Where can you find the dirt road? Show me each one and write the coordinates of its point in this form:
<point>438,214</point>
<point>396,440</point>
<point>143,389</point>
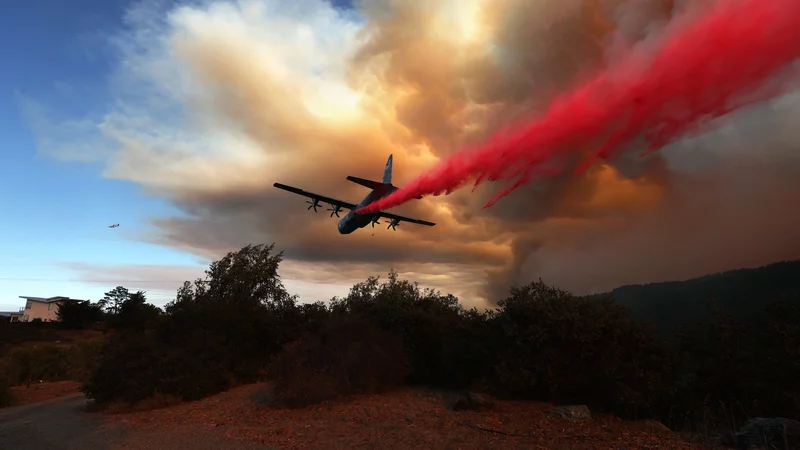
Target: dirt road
<point>64,424</point>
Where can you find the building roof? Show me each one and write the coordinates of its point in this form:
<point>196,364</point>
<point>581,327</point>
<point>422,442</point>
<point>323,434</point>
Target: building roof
<point>50,299</point>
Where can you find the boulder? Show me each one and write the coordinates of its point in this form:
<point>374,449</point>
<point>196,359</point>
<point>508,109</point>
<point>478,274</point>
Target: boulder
<point>654,425</point>
<point>471,401</point>
<point>571,412</point>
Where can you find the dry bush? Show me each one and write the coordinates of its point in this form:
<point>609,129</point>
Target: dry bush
<point>347,357</point>
<point>6,396</point>
<point>41,362</point>
<point>156,401</point>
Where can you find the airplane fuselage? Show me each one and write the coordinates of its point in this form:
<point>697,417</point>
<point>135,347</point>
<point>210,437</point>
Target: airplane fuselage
<point>352,221</point>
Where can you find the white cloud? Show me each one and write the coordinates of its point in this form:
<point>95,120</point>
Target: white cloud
<point>74,140</point>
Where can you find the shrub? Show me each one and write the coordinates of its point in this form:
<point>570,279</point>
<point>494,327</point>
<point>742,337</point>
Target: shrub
<point>6,396</point>
<point>349,356</point>
<point>552,346</point>
<point>135,366</point>
<point>45,362</point>
<point>131,310</point>
<point>734,371</point>
<point>541,343</point>
<point>13,334</point>
<point>189,354</point>
<point>84,358</point>
<point>445,344</point>
<point>780,358</point>
<point>219,332</point>
<point>157,401</point>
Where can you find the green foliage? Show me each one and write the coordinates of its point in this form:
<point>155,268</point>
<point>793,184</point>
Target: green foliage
<point>444,349</point>
<point>136,366</point>
<point>218,332</point>
<point>112,301</point>
<point>79,315</point>
<point>84,358</point>
<point>25,365</point>
<point>540,343</point>
<point>43,362</point>
<point>125,310</point>
<point>556,347</point>
<point>134,312</point>
<point>13,334</point>
<point>735,371</point>
<point>349,356</point>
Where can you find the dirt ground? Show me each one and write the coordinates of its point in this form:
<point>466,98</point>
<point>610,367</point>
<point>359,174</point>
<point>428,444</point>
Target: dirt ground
<point>402,420</point>
<point>44,391</point>
<point>242,418</point>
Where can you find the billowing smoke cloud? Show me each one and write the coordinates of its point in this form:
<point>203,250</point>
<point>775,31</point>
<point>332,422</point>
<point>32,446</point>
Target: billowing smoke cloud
<point>218,100</point>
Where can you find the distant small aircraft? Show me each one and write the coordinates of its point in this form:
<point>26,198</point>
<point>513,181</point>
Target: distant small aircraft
<point>352,221</point>
<point>113,226</point>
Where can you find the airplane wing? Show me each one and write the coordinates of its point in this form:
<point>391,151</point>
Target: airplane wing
<point>405,219</point>
<point>314,196</point>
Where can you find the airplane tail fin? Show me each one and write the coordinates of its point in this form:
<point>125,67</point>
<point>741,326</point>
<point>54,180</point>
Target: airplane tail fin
<point>387,179</point>
<point>387,171</point>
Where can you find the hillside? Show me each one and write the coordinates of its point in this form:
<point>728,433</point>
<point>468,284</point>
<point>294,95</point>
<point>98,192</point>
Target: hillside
<point>26,335</point>
<point>744,293</point>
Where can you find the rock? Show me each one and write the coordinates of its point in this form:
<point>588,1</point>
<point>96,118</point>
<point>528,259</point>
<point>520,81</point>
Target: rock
<point>572,412</point>
<point>471,401</point>
<point>654,425</point>
<point>264,396</point>
<point>773,433</point>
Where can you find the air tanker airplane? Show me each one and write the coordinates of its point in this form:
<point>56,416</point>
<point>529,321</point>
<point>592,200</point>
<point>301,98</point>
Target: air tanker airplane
<point>352,221</point>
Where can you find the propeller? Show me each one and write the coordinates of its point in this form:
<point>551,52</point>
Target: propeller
<point>314,204</point>
<point>335,209</point>
<point>393,224</point>
<point>375,220</point>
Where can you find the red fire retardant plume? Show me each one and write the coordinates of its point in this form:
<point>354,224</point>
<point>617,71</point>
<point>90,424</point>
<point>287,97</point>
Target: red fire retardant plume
<point>702,69</point>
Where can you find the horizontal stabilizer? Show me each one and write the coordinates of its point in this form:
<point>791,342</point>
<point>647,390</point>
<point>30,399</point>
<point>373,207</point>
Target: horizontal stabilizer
<point>373,184</point>
<point>366,183</point>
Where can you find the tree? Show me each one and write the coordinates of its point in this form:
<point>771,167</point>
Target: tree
<point>135,312</point>
<point>220,330</point>
<point>558,347</point>
<point>250,274</point>
<point>245,278</point>
<point>79,315</point>
<point>441,349</point>
<point>113,299</point>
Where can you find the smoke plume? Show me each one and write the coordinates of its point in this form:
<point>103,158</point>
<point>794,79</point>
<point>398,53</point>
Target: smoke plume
<point>216,100</point>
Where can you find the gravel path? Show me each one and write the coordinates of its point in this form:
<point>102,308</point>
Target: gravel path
<point>64,424</point>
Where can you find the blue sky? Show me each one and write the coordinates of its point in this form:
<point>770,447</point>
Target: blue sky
<point>55,213</point>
